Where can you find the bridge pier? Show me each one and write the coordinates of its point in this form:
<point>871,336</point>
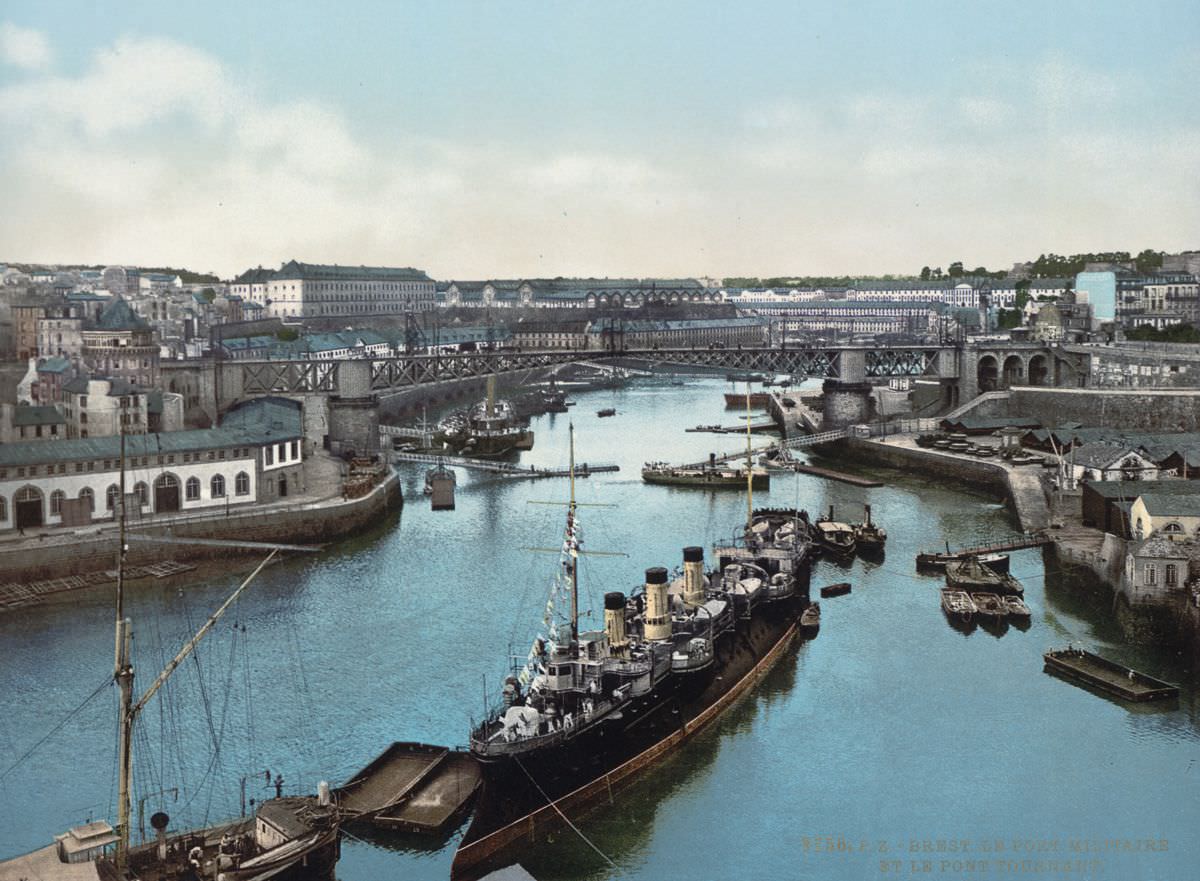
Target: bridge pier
<point>354,425</point>
<point>846,403</point>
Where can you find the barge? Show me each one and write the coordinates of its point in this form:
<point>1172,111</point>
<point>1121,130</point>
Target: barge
<point>1108,676</point>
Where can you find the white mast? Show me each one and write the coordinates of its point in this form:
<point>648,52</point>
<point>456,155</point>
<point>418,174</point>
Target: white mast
<point>749,472</point>
<point>572,545</point>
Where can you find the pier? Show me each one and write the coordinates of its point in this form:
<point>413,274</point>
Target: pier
<point>507,469</point>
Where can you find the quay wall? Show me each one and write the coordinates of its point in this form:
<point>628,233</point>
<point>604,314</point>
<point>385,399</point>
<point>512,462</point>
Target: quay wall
<point>1148,409</point>
<point>1028,501</point>
<point>56,556</point>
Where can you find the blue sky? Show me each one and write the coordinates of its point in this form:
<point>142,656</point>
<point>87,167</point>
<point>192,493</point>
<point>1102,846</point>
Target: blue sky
<point>652,138</point>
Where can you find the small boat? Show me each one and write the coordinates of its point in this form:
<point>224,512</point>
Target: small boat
<point>869,539</point>
<point>937,562</point>
<point>1017,610</point>
<point>989,607</point>
<point>1106,675</point>
<point>835,536</point>
<point>958,605</point>
<point>810,619</point>
<point>835,590</point>
<point>607,411</point>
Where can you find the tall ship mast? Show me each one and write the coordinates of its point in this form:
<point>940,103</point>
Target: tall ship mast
<point>289,838</point>
<point>585,711</point>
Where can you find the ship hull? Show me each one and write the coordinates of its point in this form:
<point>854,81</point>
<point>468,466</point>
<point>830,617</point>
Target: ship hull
<point>706,479</point>
<point>521,800</point>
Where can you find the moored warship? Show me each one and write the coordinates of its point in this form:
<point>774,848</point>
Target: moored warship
<point>588,710</point>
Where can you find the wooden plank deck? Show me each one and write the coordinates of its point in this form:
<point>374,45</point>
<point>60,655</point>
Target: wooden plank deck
<point>388,779</point>
<point>439,799</point>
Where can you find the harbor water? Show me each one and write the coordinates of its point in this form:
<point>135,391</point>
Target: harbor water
<point>891,744</point>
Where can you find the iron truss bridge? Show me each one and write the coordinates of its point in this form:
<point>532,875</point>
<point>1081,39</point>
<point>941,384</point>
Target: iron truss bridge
<point>394,374</point>
<point>817,362</point>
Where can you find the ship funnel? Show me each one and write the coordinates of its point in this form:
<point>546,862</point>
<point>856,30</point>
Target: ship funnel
<point>614,622</point>
<point>658,613</point>
<point>693,576</point>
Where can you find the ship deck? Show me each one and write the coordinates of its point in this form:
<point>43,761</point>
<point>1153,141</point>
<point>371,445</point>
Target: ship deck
<point>438,799</point>
<point>44,863</point>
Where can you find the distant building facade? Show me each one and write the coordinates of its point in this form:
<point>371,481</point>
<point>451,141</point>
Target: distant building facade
<point>309,290</point>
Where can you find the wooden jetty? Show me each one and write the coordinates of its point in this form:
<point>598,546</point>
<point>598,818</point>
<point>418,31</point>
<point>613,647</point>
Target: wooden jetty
<point>414,786</point>
<point>15,595</point>
<point>994,556</point>
<point>505,469</point>
<point>1124,682</point>
<point>830,474</point>
<point>754,427</point>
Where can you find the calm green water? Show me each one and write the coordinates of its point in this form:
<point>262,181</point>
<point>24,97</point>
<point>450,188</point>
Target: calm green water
<point>889,730</point>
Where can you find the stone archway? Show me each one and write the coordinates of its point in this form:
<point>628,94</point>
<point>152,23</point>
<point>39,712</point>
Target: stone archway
<point>987,374</point>
<point>166,493</point>
<point>1039,370</point>
<point>1014,371</point>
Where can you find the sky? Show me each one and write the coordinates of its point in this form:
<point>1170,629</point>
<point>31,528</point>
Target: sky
<point>652,138</point>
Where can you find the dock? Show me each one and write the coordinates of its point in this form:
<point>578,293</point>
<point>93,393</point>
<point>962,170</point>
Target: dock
<point>15,595</point>
<point>505,469</point>
<point>412,786</point>
<point>1108,676</point>
<point>755,428</point>
<point>830,474</point>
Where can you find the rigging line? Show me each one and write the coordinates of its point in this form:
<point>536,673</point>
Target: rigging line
<point>566,819</point>
<point>71,715</point>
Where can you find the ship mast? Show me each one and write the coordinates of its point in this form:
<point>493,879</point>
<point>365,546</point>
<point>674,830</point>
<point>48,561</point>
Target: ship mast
<point>123,674</point>
<point>749,472</point>
<point>491,396</point>
<point>572,544</point>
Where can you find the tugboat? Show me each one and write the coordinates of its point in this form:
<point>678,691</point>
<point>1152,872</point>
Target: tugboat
<point>492,429</point>
<point>586,711</point>
<point>705,477</point>
<point>869,539</point>
<point>835,536</point>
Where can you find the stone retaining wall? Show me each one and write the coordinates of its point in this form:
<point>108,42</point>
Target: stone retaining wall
<point>62,555</point>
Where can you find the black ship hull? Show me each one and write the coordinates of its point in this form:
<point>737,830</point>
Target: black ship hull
<point>525,797</point>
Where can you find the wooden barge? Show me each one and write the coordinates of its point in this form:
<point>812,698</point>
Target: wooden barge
<point>835,590</point>
<point>412,786</point>
<point>1124,682</point>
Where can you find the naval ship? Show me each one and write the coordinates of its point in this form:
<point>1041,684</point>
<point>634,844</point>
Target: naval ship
<point>588,710</point>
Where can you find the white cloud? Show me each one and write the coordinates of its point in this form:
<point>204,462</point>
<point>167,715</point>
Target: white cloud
<point>160,153</point>
<point>983,111</point>
<point>23,47</point>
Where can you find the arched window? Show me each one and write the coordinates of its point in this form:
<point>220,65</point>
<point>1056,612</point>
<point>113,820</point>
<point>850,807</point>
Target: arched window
<point>110,497</point>
<point>1139,531</point>
<point>241,484</point>
<point>193,489</point>
<point>218,486</point>
<point>90,497</point>
<point>56,500</point>
<point>142,492</point>
<point>1173,529</point>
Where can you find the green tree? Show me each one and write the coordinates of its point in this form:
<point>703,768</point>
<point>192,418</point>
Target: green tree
<point>288,334</point>
<point>1149,260</point>
<point>956,269</point>
<point>924,273</point>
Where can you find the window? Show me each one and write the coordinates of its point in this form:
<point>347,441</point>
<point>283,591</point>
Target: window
<point>1170,575</point>
<point>110,497</point>
<point>88,496</point>
<point>56,500</point>
<point>3,508</point>
<point>1151,573</point>
<point>295,449</point>
<point>193,488</point>
<point>142,492</point>
<point>268,456</point>
<point>241,484</point>
<point>218,486</point>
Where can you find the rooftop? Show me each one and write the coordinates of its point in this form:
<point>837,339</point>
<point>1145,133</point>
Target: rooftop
<point>323,272</point>
<point>253,423</point>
